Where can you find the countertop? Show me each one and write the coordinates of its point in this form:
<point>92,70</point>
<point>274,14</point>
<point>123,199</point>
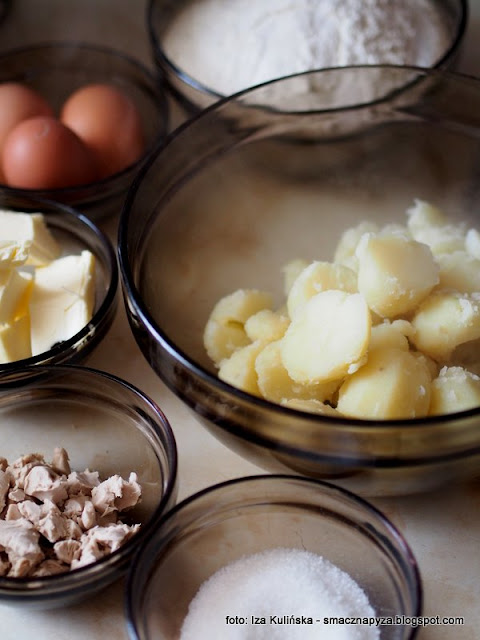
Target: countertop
<point>442,528</point>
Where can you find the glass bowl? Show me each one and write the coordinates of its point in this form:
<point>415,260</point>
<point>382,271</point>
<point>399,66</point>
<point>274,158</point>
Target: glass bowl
<point>250,515</point>
<point>106,425</point>
<point>55,70</point>
<point>241,190</point>
<point>189,82</point>
<point>74,232</point>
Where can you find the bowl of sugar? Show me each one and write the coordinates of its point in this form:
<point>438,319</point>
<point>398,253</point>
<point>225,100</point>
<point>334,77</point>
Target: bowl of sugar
<point>274,556</point>
<point>207,49</point>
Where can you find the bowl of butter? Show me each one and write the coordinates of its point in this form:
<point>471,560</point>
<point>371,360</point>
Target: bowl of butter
<point>314,298</point>
<point>58,285</point>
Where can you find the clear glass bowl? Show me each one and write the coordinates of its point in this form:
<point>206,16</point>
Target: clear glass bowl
<point>74,232</point>
<point>107,425</point>
<point>56,69</point>
<point>193,95</point>
<point>225,522</point>
<point>241,190</point>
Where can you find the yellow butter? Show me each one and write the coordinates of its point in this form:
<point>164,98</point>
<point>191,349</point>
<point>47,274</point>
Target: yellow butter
<point>62,300</point>
<point>15,340</point>
<point>15,290</point>
<point>31,233</point>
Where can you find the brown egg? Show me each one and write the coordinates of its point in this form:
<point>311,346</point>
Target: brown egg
<point>19,102</point>
<point>42,153</point>
<point>108,121</point>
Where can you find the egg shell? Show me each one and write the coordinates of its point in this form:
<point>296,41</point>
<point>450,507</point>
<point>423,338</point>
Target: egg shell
<point>19,102</point>
<point>108,121</point>
<point>42,153</point>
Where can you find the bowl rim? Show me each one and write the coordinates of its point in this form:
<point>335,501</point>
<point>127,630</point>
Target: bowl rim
<point>132,294</point>
<point>154,89</point>
<point>89,572</point>
<point>167,63</point>
<point>152,545</point>
<point>109,298</point>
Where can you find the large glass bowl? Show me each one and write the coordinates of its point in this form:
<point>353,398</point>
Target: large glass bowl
<point>107,425</point>
<point>241,517</point>
<point>57,69</point>
<point>240,191</point>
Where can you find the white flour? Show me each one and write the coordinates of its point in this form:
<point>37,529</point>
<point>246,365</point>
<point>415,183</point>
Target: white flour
<point>264,596</point>
<point>231,45</point>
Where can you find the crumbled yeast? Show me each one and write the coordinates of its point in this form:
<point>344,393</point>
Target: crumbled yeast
<point>53,519</point>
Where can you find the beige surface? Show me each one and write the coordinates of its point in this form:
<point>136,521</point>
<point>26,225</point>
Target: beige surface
<point>442,529</point>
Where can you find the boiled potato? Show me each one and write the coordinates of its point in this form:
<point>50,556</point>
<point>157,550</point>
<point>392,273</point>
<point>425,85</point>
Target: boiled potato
<point>423,216</point>
<point>221,340</point>
<point>391,334</point>
<point>347,245</point>
<point>392,384</point>
<point>291,271</point>
<point>394,273</point>
<point>472,243</point>
<point>364,335</point>
<point>239,369</point>
<point>444,321</point>
<point>266,325</point>
<point>429,225</point>
<point>311,406</point>
<point>276,385</point>
<point>455,389</point>
<point>316,277</point>
<point>459,271</point>
<point>328,336</point>
<point>224,332</point>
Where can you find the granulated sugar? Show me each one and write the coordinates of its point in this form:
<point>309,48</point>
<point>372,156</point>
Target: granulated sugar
<point>264,596</point>
<point>229,46</point>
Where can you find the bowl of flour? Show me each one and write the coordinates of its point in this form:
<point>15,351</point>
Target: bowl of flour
<point>207,49</point>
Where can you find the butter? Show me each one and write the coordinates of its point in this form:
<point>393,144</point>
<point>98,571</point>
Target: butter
<point>62,300</point>
<point>30,232</point>
<point>15,343</point>
<point>15,289</point>
<point>12,254</point>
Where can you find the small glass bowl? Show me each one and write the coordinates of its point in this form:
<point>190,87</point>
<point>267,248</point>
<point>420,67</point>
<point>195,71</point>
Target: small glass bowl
<point>55,70</point>
<point>74,232</point>
<point>107,425</point>
<point>193,95</point>
<point>237,193</point>
<point>240,517</point>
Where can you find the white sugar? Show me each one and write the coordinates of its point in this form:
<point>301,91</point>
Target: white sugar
<point>278,594</point>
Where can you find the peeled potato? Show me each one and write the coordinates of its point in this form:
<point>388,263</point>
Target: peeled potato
<point>276,385</point>
<point>327,337</point>
<point>266,325</point>
<point>311,406</point>
<point>459,271</point>
<point>239,369</point>
<point>429,225</point>
<point>423,216</point>
<point>291,271</point>
<point>240,305</point>
<point>394,273</point>
<point>349,240</point>
<point>224,332</point>
<point>392,384</point>
<point>443,322</point>
<point>472,243</point>
<point>455,389</point>
<point>391,334</point>
<point>316,277</point>
<point>221,340</point>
